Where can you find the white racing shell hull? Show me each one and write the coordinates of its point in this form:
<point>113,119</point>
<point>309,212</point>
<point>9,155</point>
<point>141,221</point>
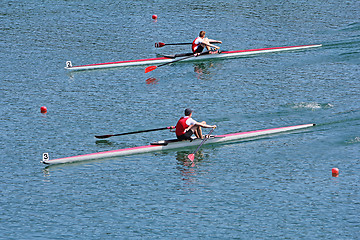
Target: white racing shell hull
<point>175,145</point>
<point>161,60</point>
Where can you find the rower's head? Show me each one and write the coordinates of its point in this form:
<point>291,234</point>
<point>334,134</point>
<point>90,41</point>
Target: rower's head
<point>202,34</point>
<point>188,112</point>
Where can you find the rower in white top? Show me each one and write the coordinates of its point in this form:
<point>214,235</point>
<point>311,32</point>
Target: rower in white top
<point>202,42</point>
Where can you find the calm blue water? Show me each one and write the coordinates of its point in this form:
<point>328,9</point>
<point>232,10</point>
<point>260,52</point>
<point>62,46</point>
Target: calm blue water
<point>279,187</point>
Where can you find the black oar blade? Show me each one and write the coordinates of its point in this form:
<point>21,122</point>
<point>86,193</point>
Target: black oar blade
<point>104,136</point>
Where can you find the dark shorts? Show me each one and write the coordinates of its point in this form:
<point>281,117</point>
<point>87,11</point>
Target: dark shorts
<point>199,49</point>
<point>185,136</point>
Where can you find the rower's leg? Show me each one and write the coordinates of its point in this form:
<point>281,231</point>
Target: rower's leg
<point>206,40</point>
<point>198,132</point>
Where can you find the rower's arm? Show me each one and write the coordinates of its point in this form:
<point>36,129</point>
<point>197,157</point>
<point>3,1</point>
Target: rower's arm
<point>211,45</point>
<point>214,41</point>
<point>205,125</point>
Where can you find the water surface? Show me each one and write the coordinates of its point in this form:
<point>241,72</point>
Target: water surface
<point>279,187</point>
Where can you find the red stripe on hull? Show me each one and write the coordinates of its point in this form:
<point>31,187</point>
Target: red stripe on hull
<point>264,49</point>
<point>243,133</point>
<point>128,61</point>
<point>107,152</point>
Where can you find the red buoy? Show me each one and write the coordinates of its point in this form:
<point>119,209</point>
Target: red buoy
<point>43,109</point>
<point>335,172</point>
<point>154,16</point>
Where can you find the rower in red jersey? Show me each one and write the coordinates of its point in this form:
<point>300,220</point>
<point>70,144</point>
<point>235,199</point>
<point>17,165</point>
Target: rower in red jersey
<point>201,42</point>
<point>186,127</point>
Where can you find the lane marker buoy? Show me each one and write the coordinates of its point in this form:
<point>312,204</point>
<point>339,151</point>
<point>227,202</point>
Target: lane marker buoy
<point>335,172</point>
<point>43,109</point>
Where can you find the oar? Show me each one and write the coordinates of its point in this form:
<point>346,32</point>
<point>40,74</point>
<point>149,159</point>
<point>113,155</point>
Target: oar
<point>149,130</point>
<point>192,155</point>
<point>152,68</point>
<point>161,44</point>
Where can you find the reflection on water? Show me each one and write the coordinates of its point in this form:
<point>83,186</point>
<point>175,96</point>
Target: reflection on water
<point>104,143</point>
<point>183,160</point>
<point>182,157</point>
<point>46,173</point>
<point>187,167</point>
<point>202,69</point>
<point>152,81</point>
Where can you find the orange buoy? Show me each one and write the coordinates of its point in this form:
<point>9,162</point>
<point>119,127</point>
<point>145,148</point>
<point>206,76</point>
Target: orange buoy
<point>154,16</point>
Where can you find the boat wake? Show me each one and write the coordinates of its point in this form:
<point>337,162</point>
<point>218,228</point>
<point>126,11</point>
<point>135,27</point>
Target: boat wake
<point>311,105</point>
<point>354,140</point>
<point>355,26</point>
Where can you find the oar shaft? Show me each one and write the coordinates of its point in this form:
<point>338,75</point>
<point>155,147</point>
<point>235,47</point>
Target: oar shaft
<point>149,130</point>
<point>203,141</point>
<point>192,155</point>
<point>142,131</point>
<point>161,44</point>
<point>178,43</point>
<point>151,68</point>
<point>181,59</point>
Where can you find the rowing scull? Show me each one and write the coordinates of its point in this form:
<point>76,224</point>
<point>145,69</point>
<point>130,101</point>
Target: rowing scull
<point>174,144</point>
<point>160,60</point>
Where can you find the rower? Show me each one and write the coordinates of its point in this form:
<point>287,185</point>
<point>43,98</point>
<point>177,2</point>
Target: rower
<point>201,42</point>
<point>186,127</point>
